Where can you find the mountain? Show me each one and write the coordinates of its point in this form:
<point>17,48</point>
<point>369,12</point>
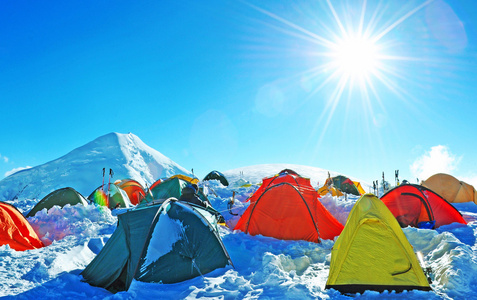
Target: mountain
<point>82,168</point>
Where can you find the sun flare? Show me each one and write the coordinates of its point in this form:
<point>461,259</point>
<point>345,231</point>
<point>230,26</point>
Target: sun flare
<point>355,57</point>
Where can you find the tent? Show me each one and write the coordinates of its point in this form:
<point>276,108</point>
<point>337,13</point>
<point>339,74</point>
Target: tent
<point>372,253</point>
<point>186,178</point>
<point>15,230</point>
<point>450,188</point>
<point>60,198</point>
<point>344,184</point>
<point>287,207</point>
<point>417,206</point>
<point>329,189</point>
<point>165,243</point>
<point>133,189</point>
<point>115,197</point>
<point>171,187</point>
<point>217,176</point>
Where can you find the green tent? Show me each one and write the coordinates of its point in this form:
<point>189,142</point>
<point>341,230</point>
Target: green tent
<point>165,243</point>
<point>115,198</point>
<point>168,188</point>
<point>60,198</point>
<point>217,176</point>
<point>344,184</point>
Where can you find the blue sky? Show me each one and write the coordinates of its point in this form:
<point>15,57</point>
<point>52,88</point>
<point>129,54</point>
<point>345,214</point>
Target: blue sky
<point>226,84</point>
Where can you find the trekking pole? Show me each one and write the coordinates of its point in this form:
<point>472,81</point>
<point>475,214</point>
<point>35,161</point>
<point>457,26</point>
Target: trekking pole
<point>102,186</point>
<point>109,182</point>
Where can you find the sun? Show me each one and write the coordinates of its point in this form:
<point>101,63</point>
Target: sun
<point>355,57</point>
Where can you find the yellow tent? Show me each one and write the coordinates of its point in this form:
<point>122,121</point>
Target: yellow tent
<point>186,178</point>
<point>359,187</point>
<point>372,253</point>
<point>451,188</point>
<point>329,189</point>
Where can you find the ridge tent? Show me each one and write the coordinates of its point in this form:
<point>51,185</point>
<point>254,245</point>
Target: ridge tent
<point>171,187</point>
<point>165,243</point>
<point>16,231</point>
<point>417,206</point>
<point>450,188</point>
<point>372,253</point>
<point>115,198</point>
<point>60,197</point>
<point>133,189</point>
<point>217,176</point>
<point>286,207</point>
<point>344,184</point>
<point>186,178</point>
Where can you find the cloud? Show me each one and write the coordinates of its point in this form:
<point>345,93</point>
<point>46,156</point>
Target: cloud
<point>16,170</point>
<point>438,160</point>
<point>4,158</point>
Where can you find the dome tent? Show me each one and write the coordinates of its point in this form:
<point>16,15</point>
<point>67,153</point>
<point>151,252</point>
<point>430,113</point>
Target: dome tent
<point>286,207</point>
<point>115,197</point>
<point>60,197</point>
<point>451,188</point>
<point>372,253</point>
<point>216,175</point>
<point>165,243</point>
<point>16,231</point>
<point>417,206</point>
<point>133,189</point>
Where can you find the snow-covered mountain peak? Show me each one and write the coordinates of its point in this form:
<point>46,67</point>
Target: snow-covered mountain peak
<point>82,168</point>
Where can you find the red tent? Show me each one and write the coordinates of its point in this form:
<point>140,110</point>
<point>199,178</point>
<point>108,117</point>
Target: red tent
<point>15,230</point>
<point>287,207</point>
<point>418,206</point>
<point>133,188</point>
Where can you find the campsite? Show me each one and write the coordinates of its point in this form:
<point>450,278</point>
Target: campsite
<point>67,260</point>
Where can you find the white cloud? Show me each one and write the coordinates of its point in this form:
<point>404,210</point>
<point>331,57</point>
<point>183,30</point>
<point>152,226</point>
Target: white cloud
<point>16,170</point>
<point>438,160</point>
<point>4,158</point>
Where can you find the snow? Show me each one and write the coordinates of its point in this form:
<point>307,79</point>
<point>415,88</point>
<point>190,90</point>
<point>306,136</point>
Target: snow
<point>264,267</point>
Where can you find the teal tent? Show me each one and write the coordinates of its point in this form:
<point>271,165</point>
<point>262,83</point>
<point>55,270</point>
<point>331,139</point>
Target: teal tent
<point>168,188</point>
<point>217,176</point>
<point>60,197</point>
<point>166,243</point>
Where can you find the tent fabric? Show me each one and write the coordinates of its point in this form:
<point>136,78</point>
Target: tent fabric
<point>287,207</point>
<point>217,176</point>
<point>412,204</point>
<point>344,184</point>
<point>329,189</point>
<point>15,230</point>
<point>165,243</point>
<point>171,187</point>
<point>186,178</point>
<point>60,197</point>
<point>359,187</point>
<point>133,189</point>
<point>372,253</point>
<point>450,188</point>
<point>115,198</point>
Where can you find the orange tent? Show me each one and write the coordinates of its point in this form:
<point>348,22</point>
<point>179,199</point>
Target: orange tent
<point>417,206</point>
<point>15,230</point>
<point>451,188</point>
<point>286,207</point>
<point>133,188</point>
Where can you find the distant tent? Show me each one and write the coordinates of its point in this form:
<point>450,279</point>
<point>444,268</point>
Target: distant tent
<point>165,243</point>
<point>359,187</point>
<point>186,178</point>
<point>217,176</point>
<point>171,187</point>
<point>115,198</point>
<point>450,188</point>
<point>344,184</point>
<point>287,207</point>
<point>60,197</point>
<point>331,190</point>
<point>372,253</point>
<point>133,189</point>
<point>15,230</point>
<point>417,206</point>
